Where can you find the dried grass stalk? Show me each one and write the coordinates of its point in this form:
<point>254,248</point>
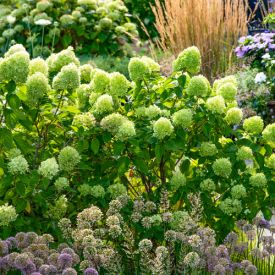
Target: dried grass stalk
<point>214,26</point>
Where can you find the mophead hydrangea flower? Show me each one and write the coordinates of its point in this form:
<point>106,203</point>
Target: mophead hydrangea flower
<point>86,73</point>
<point>104,104</point>
<point>85,120</point>
<point>37,86</point>
<point>15,67</point>
<point>7,214</point>
<point>269,134</point>
<point>188,60</point>
<point>258,180</point>
<point>222,167</point>
<point>68,158</point>
<point>83,93</point>
<point>153,65</point>
<point>216,104</point>
<point>208,185</point>
<point>126,130</point>
<point>116,190</point>
<point>57,61</point>
<point>270,162</point>
<point>228,79</point>
<point>208,149</point>
<point>100,81</point>
<point>253,125</point>
<point>48,168</point>
<point>231,206</point>
<point>163,128</point>
<point>18,166</point>
<point>119,85</point>
<point>67,79</point>
<point>98,191</point>
<point>13,153</point>
<point>178,180</point>
<point>112,122</point>
<point>244,153</point>
<point>151,112</point>
<point>182,118</point>
<point>61,183</point>
<point>198,86</point>
<point>38,65</point>
<point>234,116</point>
<point>138,69</point>
<point>15,49</point>
<point>228,91</point>
<point>238,191</point>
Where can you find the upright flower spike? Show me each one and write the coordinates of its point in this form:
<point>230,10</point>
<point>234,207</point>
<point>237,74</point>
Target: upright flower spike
<point>188,60</point>
<point>199,86</point>
<point>67,79</point>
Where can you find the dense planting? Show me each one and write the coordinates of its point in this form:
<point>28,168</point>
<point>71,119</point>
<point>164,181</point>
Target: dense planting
<point>72,135</point>
<point>91,26</point>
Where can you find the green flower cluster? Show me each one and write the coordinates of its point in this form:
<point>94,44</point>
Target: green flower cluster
<point>163,128</point>
<point>59,22</point>
<point>48,168</point>
<point>7,214</point>
<point>68,159</point>
<point>222,167</point>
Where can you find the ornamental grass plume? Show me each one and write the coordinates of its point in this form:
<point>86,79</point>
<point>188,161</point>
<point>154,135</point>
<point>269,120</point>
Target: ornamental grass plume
<point>214,29</point>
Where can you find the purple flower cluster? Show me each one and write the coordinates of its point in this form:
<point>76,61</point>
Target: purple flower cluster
<point>34,256</point>
<point>252,45</point>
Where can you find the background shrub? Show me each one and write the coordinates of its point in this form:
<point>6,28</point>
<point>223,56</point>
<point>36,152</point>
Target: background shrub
<point>97,27</point>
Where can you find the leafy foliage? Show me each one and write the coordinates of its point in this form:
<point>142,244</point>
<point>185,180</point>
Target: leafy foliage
<point>94,136</point>
<point>92,26</point>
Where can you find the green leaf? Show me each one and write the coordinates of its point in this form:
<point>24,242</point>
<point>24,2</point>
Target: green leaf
<point>6,138</point>
<point>123,165</point>
<point>95,144</point>
<point>10,118</point>
<point>66,40</point>
<point>21,204</point>
<point>13,101</point>
<point>118,148</point>
<point>11,86</point>
<point>20,188</point>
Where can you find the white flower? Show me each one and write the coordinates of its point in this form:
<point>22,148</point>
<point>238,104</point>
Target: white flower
<point>11,19</point>
<point>272,61</point>
<point>266,56</point>
<point>43,22</point>
<point>260,77</point>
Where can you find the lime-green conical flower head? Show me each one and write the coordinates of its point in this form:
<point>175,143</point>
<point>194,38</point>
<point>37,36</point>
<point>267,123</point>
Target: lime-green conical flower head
<point>253,125</point>
<point>222,167</point>
<point>86,73</point>
<point>226,80</point>
<point>269,134</point>
<point>68,159</point>
<point>15,67</point>
<point>48,168</point>
<point>138,69</point>
<point>182,118</point>
<point>67,79</point>
<point>208,149</point>
<point>234,116</point>
<point>188,60</point>
<point>38,65</point>
<point>163,128</point>
<point>258,180</point>
<point>244,153</point>
<point>100,81</point>
<point>37,87</point>
<point>118,85</point>
<point>228,91</point>
<point>238,191</point>
<point>216,104</point>
<point>199,86</point>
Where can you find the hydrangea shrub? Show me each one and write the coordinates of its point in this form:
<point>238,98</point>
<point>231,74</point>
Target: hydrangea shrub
<point>92,26</point>
<point>92,135</point>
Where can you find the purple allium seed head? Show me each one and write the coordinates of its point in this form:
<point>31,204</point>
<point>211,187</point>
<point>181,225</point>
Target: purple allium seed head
<point>219,269</point>
<point>240,224</point>
<point>31,237</point>
<point>4,264</point>
<point>241,247</point>
<point>90,271</point>
<point>236,266</point>
<point>231,238</point>
<point>251,270</point>
<point>52,259</point>
<point>222,251</point>
<point>36,273</point>
<point>264,224</point>
<point>69,271</point>
<point>4,248</point>
<point>21,261</point>
<point>30,267</point>
<point>65,260</point>
<point>12,242</point>
<point>245,263</point>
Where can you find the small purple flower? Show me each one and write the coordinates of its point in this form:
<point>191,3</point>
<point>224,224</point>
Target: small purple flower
<point>90,271</point>
<point>4,248</point>
<point>264,224</point>
<point>12,242</point>
<point>65,260</point>
<point>36,273</point>
<point>69,271</point>
<point>231,238</point>
<point>251,270</point>
<point>219,269</point>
